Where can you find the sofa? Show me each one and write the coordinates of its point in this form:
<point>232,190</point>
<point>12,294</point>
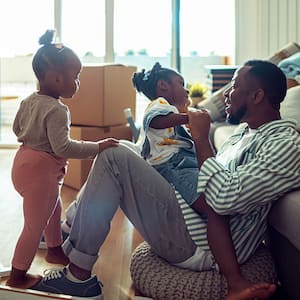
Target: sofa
<point>284,221</point>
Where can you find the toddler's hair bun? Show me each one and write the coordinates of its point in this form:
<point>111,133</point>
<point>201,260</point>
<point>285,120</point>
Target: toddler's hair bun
<point>47,37</point>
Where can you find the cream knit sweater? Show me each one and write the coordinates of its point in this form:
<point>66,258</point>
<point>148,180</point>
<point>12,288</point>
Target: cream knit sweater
<point>43,123</point>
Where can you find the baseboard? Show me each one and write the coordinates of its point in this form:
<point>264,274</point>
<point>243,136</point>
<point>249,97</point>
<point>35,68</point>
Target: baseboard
<point>8,293</point>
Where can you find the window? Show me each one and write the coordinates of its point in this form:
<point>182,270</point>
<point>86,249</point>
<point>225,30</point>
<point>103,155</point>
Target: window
<point>83,28</point>
<point>21,24</point>
<point>141,36</point>
<point>143,32</point>
<point>207,35</point>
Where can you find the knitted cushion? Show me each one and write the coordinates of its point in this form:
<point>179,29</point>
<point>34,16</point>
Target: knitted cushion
<point>156,278</point>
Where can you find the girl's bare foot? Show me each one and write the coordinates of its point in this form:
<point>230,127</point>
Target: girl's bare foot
<point>255,291</point>
<point>20,279</point>
<point>55,255</point>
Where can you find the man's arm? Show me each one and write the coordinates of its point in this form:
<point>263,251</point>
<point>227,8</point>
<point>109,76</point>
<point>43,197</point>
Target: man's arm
<point>273,170</point>
<point>199,125</point>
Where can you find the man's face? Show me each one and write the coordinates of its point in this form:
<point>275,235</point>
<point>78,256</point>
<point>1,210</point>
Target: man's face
<point>237,97</point>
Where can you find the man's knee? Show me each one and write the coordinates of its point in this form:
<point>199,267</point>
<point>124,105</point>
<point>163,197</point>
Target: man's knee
<point>113,154</point>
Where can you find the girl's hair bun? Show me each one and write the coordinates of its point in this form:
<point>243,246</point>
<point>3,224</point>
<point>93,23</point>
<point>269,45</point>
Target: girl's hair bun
<point>47,37</point>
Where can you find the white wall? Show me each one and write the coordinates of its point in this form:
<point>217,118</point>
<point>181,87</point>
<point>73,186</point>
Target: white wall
<point>265,26</point>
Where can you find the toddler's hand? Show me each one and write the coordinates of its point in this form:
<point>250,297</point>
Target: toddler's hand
<point>107,143</point>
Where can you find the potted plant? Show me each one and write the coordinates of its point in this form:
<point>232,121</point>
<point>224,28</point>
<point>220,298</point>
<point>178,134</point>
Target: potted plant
<point>197,92</point>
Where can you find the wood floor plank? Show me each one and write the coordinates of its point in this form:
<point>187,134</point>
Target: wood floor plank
<point>112,267</point>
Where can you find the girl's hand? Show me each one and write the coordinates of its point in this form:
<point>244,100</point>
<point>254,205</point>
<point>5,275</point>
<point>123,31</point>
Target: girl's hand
<point>199,124</point>
<point>107,143</point>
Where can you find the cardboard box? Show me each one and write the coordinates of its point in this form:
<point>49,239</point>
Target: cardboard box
<point>105,91</point>
<point>78,169</point>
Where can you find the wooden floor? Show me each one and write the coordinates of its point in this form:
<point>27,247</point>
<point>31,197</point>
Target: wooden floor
<point>112,268</point>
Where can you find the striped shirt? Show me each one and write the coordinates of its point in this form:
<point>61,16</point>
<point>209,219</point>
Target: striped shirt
<point>245,188</point>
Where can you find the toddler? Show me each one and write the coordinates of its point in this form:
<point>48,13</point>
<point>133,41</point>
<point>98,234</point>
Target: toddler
<point>42,125</point>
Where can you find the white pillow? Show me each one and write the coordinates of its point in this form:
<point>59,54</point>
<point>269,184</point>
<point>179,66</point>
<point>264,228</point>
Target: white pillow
<point>290,106</point>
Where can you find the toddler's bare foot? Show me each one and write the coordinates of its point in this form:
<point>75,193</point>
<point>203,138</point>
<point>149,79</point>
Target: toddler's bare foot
<point>55,255</point>
<point>255,291</point>
<point>20,279</point>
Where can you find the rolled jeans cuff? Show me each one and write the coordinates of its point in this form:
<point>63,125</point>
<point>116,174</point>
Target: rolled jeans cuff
<point>80,259</point>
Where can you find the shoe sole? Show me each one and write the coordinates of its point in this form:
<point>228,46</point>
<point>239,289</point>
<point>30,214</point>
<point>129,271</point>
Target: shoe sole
<point>100,297</point>
<point>15,293</point>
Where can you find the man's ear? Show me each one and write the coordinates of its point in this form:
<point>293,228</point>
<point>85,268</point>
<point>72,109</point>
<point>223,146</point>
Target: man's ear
<point>258,95</point>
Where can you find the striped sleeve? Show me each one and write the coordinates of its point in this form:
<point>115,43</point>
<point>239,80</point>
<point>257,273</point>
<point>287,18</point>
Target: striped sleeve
<point>273,171</point>
<point>195,223</point>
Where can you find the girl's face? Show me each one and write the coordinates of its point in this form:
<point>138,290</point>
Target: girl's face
<point>177,94</point>
<point>70,82</point>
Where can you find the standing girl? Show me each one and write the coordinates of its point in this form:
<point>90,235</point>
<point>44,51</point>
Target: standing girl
<point>42,125</point>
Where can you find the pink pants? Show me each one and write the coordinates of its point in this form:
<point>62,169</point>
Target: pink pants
<point>37,177</point>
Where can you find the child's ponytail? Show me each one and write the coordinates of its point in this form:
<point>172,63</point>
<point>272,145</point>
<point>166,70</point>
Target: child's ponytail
<point>47,37</point>
<point>146,82</point>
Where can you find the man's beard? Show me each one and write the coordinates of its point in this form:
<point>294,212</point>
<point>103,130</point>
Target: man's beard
<point>236,118</point>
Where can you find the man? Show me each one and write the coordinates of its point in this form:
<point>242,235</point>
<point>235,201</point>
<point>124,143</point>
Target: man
<point>254,168</point>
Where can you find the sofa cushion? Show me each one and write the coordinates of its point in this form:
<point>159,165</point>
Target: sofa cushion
<point>285,52</point>
<point>290,107</point>
<point>284,217</point>
<point>291,66</point>
<point>215,104</point>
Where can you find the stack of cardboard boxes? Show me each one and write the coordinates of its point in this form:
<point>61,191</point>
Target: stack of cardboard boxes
<point>97,111</point>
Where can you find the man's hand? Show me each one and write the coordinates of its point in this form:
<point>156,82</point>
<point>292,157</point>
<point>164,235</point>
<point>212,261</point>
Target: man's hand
<point>107,143</point>
<point>199,124</point>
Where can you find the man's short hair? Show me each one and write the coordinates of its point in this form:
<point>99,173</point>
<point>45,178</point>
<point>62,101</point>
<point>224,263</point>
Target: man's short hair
<point>271,78</point>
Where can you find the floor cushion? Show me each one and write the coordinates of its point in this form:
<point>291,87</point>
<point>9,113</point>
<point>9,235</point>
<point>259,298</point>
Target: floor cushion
<point>156,278</point>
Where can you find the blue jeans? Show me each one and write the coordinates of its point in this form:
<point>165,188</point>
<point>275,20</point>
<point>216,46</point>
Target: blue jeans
<point>120,178</point>
<point>182,172</point>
